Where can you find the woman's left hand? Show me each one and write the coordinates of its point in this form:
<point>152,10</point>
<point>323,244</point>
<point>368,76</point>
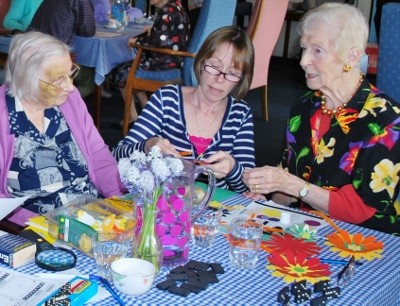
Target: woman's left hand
<point>221,163</point>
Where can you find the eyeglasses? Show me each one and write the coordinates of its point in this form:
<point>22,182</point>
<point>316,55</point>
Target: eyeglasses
<point>227,76</point>
<point>61,81</point>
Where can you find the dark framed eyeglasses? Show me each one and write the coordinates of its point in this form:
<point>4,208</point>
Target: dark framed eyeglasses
<point>61,81</point>
<point>227,76</point>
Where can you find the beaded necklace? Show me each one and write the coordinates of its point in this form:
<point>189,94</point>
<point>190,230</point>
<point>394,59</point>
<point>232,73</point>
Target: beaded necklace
<point>333,112</point>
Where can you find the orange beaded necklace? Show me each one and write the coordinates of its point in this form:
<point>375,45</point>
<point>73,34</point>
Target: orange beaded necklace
<point>333,112</point>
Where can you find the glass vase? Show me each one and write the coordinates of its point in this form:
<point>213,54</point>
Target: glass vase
<point>147,244</point>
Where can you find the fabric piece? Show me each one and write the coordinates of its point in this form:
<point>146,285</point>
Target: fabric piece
<point>361,148</point>
<point>372,52</point>
<point>48,165</point>
<point>20,14</point>
<point>200,143</point>
<point>65,19</point>
<point>102,167</point>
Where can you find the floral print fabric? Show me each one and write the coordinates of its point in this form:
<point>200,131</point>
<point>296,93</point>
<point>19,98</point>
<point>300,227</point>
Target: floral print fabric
<point>47,165</point>
<point>361,148</point>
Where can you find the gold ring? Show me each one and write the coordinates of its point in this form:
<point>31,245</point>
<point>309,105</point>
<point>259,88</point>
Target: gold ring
<point>256,188</point>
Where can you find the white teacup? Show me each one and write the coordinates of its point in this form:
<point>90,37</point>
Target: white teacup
<point>133,276</point>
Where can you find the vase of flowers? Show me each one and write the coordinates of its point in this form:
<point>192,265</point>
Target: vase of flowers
<point>162,187</point>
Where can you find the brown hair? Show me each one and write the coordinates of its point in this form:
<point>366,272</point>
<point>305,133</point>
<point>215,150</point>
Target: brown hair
<point>243,55</point>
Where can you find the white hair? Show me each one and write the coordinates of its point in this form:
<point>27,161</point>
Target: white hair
<point>26,59</point>
<point>348,20</point>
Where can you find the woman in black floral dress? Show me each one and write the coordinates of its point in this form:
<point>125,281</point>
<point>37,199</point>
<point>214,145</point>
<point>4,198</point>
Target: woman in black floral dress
<point>171,29</point>
<point>343,148</point>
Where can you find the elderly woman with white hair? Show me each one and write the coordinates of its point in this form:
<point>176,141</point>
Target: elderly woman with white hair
<point>343,149</point>
<point>50,148</point>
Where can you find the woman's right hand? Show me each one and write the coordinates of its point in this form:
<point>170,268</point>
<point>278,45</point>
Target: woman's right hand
<point>165,146</point>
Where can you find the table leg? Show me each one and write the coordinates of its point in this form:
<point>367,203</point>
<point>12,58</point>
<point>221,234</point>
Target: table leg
<point>287,37</point>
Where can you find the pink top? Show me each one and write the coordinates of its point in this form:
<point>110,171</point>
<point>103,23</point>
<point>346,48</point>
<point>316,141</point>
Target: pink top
<point>200,143</point>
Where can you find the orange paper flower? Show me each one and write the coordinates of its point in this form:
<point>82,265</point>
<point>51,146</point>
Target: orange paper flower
<point>347,245</point>
<point>294,268</point>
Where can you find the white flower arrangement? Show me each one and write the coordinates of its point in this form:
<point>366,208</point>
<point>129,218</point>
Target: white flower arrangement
<point>145,177</point>
<point>142,173</point>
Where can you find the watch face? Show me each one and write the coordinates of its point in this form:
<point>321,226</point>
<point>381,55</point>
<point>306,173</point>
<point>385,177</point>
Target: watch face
<point>304,191</point>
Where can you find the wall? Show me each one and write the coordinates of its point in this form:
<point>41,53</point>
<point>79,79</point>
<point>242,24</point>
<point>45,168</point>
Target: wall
<point>294,48</point>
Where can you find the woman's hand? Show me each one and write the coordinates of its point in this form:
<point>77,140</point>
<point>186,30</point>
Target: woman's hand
<point>221,163</point>
<point>266,179</point>
<point>165,146</point>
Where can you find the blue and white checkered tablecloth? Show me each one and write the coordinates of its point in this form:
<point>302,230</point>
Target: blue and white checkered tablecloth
<point>376,282</point>
<point>104,53</point>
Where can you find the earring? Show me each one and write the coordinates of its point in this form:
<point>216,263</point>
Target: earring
<point>347,68</point>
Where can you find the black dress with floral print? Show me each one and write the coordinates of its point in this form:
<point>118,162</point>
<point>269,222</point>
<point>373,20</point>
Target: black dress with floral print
<point>171,29</point>
<point>361,148</point>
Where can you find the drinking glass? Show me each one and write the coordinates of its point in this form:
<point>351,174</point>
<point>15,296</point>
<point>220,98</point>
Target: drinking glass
<point>205,227</point>
<point>245,240</point>
<point>108,249</point>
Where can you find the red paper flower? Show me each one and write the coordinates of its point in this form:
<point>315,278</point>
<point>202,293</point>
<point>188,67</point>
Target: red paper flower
<point>282,243</point>
<point>297,267</point>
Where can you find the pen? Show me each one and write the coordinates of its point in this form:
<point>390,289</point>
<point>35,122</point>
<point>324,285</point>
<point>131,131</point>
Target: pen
<point>108,287</point>
<point>338,261</point>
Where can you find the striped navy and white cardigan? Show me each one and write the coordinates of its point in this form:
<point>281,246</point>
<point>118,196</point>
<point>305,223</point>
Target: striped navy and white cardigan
<point>163,116</point>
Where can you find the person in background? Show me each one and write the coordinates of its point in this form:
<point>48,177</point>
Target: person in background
<point>20,14</point>
<point>64,20</point>
<point>51,149</point>
<point>209,123</point>
<point>171,29</point>
<point>343,149</point>
<point>193,8</point>
<point>102,10</point>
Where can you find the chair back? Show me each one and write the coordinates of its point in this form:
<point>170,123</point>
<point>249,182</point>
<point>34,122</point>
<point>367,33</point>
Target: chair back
<point>388,66</point>
<point>214,14</point>
<point>264,28</point>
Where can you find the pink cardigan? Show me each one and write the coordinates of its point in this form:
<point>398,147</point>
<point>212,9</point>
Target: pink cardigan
<point>102,166</point>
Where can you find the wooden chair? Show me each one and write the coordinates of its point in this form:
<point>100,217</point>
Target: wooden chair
<point>213,15</point>
<point>264,28</point>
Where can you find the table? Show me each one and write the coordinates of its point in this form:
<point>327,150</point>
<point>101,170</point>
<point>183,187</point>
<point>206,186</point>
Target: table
<point>291,15</point>
<point>376,282</point>
<point>105,52</point>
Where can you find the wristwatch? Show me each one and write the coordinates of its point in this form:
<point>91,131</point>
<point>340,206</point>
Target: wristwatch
<point>304,191</point>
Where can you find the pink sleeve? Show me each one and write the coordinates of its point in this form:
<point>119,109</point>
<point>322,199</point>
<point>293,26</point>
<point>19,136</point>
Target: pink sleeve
<point>346,205</point>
